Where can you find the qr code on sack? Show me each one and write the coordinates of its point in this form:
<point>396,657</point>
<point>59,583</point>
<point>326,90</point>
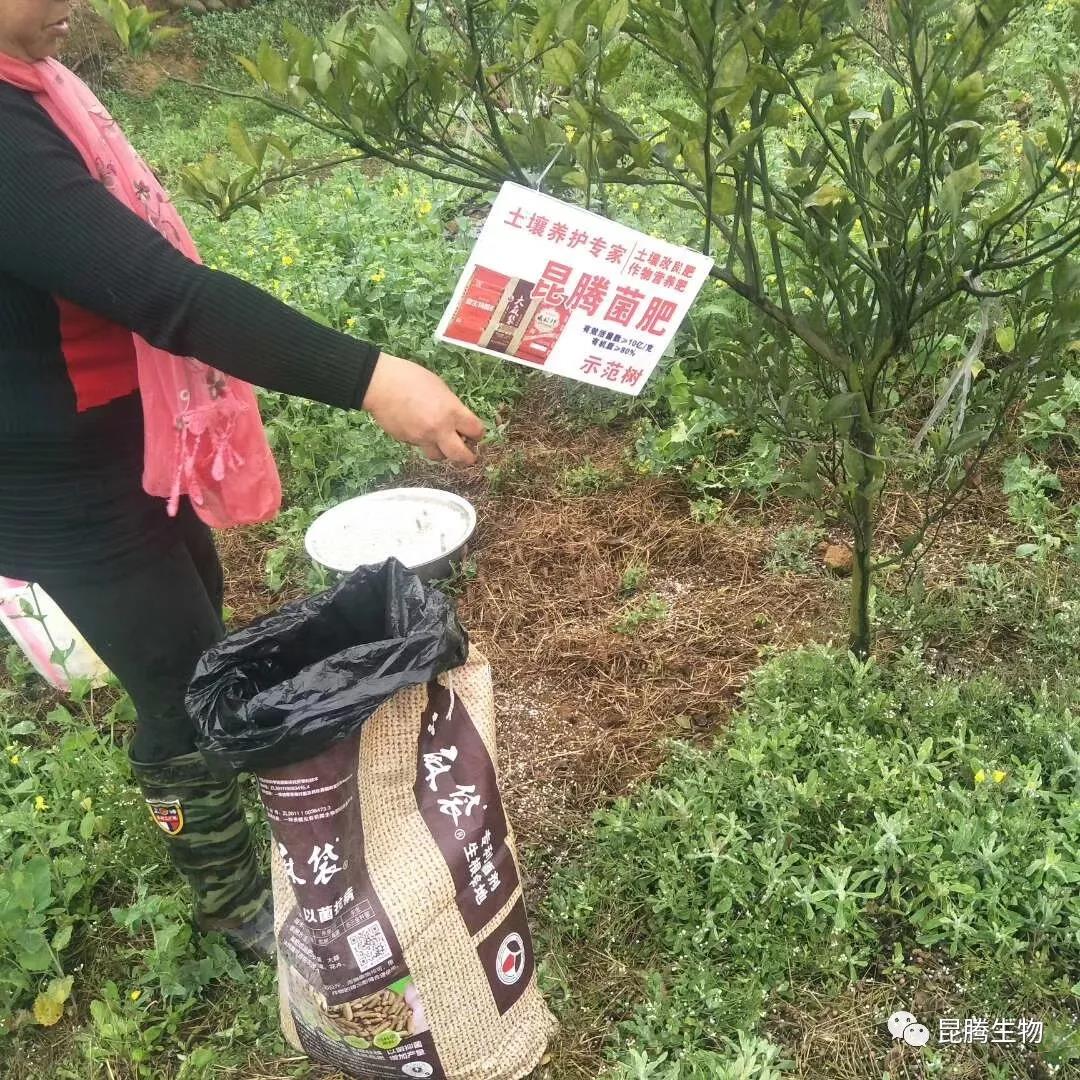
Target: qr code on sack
<point>369,946</point>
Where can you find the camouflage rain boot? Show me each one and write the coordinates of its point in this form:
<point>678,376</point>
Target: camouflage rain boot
<point>210,843</point>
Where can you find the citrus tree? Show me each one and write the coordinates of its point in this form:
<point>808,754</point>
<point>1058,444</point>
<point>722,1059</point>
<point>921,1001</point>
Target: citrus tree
<point>900,257</point>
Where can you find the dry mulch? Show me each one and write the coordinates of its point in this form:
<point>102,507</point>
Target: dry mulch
<point>585,709</point>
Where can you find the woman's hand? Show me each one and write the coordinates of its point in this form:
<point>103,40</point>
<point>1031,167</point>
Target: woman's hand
<point>413,405</point>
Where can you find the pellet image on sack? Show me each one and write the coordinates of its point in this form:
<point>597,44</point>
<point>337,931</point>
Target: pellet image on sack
<point>403,944</point>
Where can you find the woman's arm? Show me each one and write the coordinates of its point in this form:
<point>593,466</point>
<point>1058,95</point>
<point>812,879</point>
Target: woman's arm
<point>61,231</point>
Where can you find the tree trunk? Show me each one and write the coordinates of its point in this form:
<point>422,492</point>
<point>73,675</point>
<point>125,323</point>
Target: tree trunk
<point>860,635</point>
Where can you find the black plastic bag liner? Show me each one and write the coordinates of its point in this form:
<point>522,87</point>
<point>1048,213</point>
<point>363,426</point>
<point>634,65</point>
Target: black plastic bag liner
<point>288,686</point>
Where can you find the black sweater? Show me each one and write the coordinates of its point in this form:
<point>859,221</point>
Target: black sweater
<point>76,266</point>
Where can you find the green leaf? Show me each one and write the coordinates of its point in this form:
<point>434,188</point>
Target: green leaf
<point>32,951</point>
<point>87,825</point>
<point>615,60</point>
<point>682,123</point>
<point>273,69</point>
<point>1065,281</point>
<point>783,30</point>
<point>877,144</point>
<point>1006,338</point>
<point>888,104</point>
<point>614,18</point>
<point>23,727</point>
<point>241,144</point>
<point>963,126</point>
<point>738,144</point>
<point>724,198</point>
<point>969,440</point>
<point>120,24</point>
<point>810,464</point>
<point>389,46</point>
<point>1025,551</point>
<point>59,717</point>
<point>542,31</point>
<point>323,69</point>
<point>778,116</point>
<point>31,884</point>
<point>61,939</point>
<point>768,78</point>
<point>910,543</point>
<point>250,67</point>
<point>59,990</point>
<point>1057,80</point>
<point>955,186</point>
<point>562,65</point>
<point>841,407</point>
<point>694,155</point>
<point>826,195</point>
<point>831,84</point>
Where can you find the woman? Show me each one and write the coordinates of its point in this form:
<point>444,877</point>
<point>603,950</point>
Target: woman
<point>116,446</point>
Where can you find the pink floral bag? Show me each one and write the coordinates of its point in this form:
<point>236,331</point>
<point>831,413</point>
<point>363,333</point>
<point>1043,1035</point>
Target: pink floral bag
<point>204,435</point>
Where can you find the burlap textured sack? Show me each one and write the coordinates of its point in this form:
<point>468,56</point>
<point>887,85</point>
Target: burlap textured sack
<point>404,949</point>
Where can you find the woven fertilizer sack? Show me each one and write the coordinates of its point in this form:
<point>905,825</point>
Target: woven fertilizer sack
<point>403,944</point>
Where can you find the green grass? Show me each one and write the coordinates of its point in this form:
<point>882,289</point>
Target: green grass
<point>853,815</point>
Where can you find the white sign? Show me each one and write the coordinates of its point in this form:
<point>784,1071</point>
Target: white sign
<point>553,286</point>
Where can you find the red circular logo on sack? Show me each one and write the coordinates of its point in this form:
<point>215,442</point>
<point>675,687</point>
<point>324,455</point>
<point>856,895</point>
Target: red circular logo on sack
<point>510,962</point>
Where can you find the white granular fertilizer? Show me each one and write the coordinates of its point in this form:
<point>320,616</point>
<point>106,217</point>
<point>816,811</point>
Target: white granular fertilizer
<point>415,528</point>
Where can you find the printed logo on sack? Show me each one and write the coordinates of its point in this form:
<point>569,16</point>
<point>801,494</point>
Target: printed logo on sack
<point>418,1068</point>
<point>510,961</point>
<point>168,815</point>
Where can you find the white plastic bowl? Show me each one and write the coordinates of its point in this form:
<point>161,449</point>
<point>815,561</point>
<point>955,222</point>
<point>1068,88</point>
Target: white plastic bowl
<point>424,528</point>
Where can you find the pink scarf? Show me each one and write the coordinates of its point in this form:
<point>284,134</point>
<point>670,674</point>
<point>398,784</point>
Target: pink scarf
<point>204,436</point>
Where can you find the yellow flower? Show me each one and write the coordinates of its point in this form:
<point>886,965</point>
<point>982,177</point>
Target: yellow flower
<point>998,775</point>
<point>14,759</point>
<point>350,322</point>
<point>135,995</point>
<point>286,260</point>
<point>40,803</point>
<point>635,206</point>
<point>980,777</point>
<point>808,292</point>
<point>379,275</point>
<point>424,208</point>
